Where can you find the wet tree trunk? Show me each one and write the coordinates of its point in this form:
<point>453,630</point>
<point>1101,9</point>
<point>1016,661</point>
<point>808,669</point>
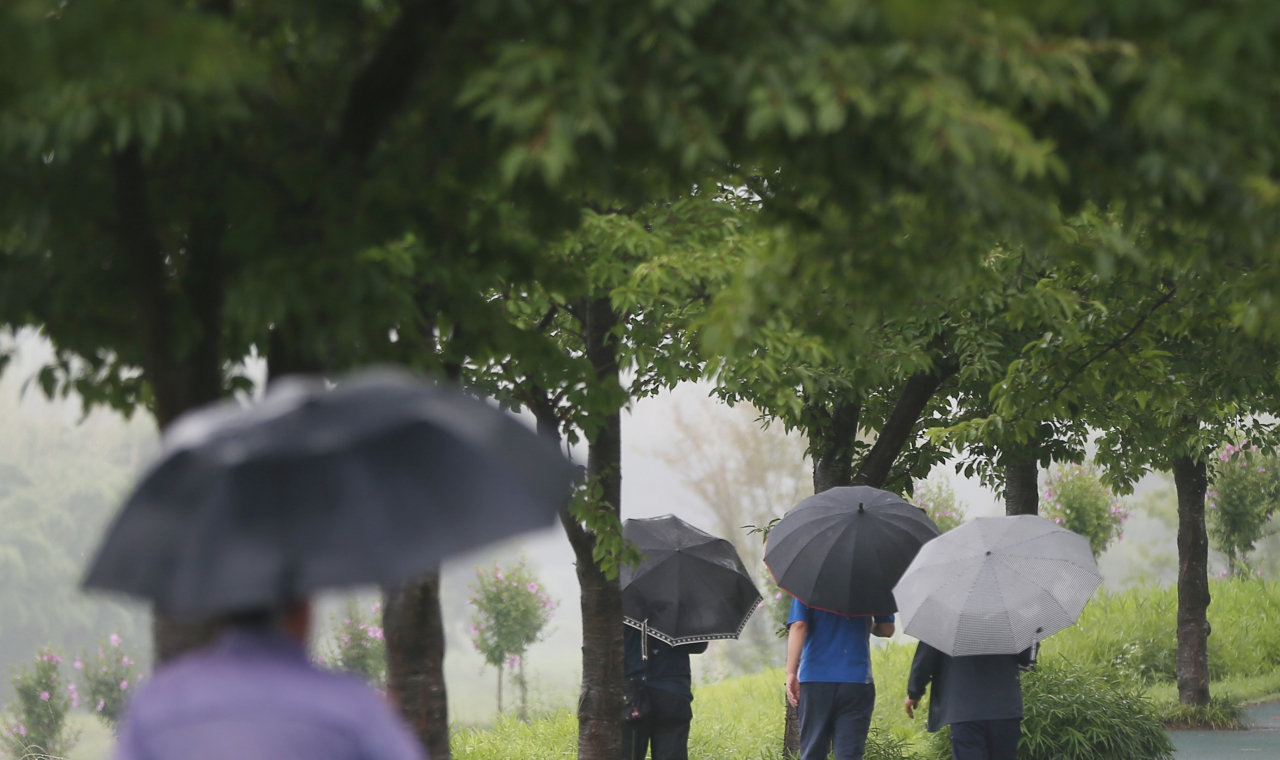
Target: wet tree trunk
<point>414,630</point>
<point>901,426</point>
<point>1192,658</point>
<point>500,667</point>
<point>600,702</point>
<point>179,380</point>
<point>1022,487</point>
<point>831,443</point>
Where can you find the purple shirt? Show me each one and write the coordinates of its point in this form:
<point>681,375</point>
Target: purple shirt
<point>254,696</point>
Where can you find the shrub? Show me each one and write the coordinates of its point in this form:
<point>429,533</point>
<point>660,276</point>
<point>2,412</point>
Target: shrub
<point>359,646</point>
<point>1222,712</point>
<point>38,728</point>
<point>1074,713</point>
<point>1241,500</point>
<point>511,612</point>
<point>1077,499</point>
<point>938,499</point>
<point>109,679</point>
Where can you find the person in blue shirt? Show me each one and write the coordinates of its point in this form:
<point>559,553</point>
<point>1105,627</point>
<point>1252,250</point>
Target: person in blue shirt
<point>829,679</point>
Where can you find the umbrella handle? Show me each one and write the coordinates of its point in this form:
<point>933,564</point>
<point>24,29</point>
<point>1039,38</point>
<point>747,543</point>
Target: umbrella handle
<point>644,641</point>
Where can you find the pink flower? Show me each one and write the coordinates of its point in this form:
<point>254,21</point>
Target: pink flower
<point>499,576</point>
<point>376,633</point>
<point>101,704</point>
<point>44,695</point>
<point>533,588</point>
<point>22,729</point>
<point>124,686</point>
<point>125,661</point>
<point>56,659</point>
<point>760,606</point>
<point>77,664</point>
<point>375,607</point>
<point>513,661</point>
<point>778,595</point>
<point>115,640</point>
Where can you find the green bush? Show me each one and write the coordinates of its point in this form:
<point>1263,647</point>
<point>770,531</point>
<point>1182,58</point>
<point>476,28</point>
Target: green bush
<point>358,646</point>
<point>1222,712</point>
<point>109,679</point>
<point>1076,714</point>
<point>38,727</point>
<point>1076,498</point>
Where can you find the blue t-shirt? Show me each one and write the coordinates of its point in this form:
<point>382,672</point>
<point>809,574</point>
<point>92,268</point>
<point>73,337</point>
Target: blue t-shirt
<point>837,649</point>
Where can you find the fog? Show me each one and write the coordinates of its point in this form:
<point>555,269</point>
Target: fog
<point>63,473</point>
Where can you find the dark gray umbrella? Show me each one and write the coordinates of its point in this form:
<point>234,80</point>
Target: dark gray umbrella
<point>691,585</point>
<point>844,549</point>
<point>373,481</point>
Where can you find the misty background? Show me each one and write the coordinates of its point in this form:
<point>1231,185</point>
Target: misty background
<point>63,473</point>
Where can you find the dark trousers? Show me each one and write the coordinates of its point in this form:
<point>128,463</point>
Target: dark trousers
<point>835,716</point>
<point>665,728</point>
<point>986,739</point>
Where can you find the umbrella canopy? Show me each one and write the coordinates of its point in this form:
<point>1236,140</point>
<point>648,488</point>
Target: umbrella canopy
<point>374,481</point>
<point>843,549</point>
<point>691,585</point>
<point>995,585</point>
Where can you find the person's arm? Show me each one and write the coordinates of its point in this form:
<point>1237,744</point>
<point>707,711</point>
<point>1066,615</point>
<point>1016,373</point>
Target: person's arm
<point>882,626</point>
<point>795,645</point>
<point>923,667</point>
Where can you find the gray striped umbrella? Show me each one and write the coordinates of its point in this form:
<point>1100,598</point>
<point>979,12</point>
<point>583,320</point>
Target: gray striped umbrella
<point>996,585</point>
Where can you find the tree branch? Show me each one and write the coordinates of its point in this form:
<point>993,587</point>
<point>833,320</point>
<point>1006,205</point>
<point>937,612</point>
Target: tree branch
<point>382,86</point>
<point>899,427</point>
<point>1113,345</point>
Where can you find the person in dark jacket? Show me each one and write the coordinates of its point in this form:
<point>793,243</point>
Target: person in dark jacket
<point>668,692</point>
<point>979,696</point>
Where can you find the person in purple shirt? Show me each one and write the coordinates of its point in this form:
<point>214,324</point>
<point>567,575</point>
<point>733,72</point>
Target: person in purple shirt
<point>253,695</point>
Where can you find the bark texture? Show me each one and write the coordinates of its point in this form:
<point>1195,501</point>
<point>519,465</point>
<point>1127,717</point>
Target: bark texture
<point>1022,487</point>
<point>600,702</point>
<point>414,632</point>
<point>832,446</point>
<point>1192,659</point>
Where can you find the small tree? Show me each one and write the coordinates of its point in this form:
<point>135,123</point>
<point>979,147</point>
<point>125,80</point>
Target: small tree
<point>1242,499</point>
<point>109,679</point>
<point>1077,499</point>
<point>938,499</point>
<point>38,726</point>
<point>511,612</point>
<point>359,645</point>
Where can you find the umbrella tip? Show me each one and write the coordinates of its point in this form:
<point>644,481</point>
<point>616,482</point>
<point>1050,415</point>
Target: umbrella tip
<point>860,506</point>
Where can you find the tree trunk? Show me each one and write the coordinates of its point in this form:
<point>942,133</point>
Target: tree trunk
<point>600,702</point>
<point>1192,659</point>
<point>831,444</point>
<point>414,632</point>
<point>524,692</point>
<point>1022,487</point>
<point>501,666</point>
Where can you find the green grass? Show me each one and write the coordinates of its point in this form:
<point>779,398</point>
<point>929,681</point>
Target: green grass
<point>1132,632</point>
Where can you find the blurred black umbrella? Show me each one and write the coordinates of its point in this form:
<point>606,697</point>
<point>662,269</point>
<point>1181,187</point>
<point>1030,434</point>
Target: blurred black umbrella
<point>843,550</point>
<point>373,481</point>
<point>691,585</point>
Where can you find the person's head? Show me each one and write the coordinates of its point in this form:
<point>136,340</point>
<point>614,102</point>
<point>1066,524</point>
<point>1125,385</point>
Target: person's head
<point>293,621</point>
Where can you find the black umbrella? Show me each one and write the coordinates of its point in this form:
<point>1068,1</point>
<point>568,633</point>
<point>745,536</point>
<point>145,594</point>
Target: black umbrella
<point>373,481</point>
<point>691,585</point>
<point>843,550</point>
